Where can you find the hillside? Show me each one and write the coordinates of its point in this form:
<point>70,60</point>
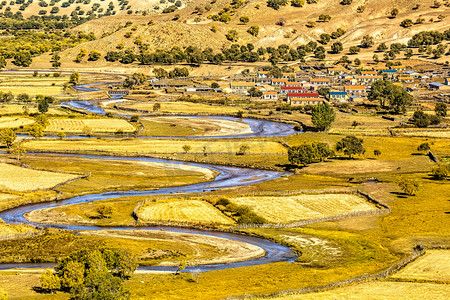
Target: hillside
<point>195,28</point>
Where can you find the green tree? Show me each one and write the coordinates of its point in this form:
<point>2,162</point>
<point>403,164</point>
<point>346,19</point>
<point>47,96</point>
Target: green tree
<point>297,3</point>
<point>22,59</point>
<point>322,151</point>
<point>50,281</point>
<point>7,137</point>
<point>244,19</point>
<point>420,119</point>
<point>156,107</point>
<point>105,211</point>
<point>254,92</point>
<point>350,145</point>
<point>367,41</point>
<point>74,78</point>
<point>337,47</point>
<point>94,55</point>
<point>232,35</point>
<point>322,116</point>
<point>409,186</point>
<point>2,62</point>
<point>43,106</point>
<point>303,154</point>
<point>243,149</point>
<point>376,152</point>
<point>394,12</point>
<point>441,109</point>
<point>423,147</point>
<point>254,30</point>
<point>354,49</point>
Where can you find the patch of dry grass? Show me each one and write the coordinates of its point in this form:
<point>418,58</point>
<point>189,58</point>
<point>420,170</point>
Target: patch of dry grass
<point>429,132</point>
<point>20,179</point>
<point>286,209</point>
<point>92,125</point>
<point>434,265</point>
<point>181,210</point>
<point>16,109</point>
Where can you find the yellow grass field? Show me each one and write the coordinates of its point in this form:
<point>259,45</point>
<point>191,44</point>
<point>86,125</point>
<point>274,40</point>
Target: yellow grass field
<point>126,146</point>
<point>92,125</point>
<point>434,265</point>
<point>7,230</point>
<point>14,122</point>
<point>183,107</point>
<point>379,290</point>
<point>359,131</point>
<point>16,109</point>
<point>286,209</point>
<point>20,179</point>
<point>181,210</point>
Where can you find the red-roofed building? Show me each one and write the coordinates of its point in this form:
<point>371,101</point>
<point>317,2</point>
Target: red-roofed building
<point>302,95</point>
<point>292,89</point>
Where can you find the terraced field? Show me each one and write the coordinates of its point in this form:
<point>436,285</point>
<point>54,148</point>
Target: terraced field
<point>181,210</point>
<point>20,179</point>
<point>89,125</point>
<point>16,109</point>
<point>288,209</point>
<point>182,107</point>
<point>14,122</point>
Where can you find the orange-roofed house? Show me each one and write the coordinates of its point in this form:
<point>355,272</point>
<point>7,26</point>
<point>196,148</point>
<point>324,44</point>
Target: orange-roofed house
<point>320,81</point>
<point>270,96</point>
<point>369,73</point>
<point>365,79</point>
<point>279,82</point>
<point>239,87</point>
<point>358,90</point>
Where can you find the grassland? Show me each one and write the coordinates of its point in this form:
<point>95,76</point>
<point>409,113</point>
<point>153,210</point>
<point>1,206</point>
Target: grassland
<point>286,209</point>
<point>89,125</point>
<point>14,231</point>
<point>152,128</point>
<point>181,107</point>
<point>432,133</point>
<point>433,266</point>
<point>13,122</point>
<point>15,178</point>
<point>181,211</point>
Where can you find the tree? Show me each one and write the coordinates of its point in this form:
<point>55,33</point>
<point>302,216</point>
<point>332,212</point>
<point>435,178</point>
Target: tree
<point>253,30</point>
<point>2,62</point>
<point>18,149</point>
<point>423,147</point>
<point>409,186</point>
<point>187,148</point>
<point>350,145</point>
<point>367,41</point>
<point>322,151</point>
<point>382,47</point>
<point>440,171</point>
<point>337,47</point>
<point>394,12</point>
<point>8,136</point>
<point>376,152</point>
<point>36,130</point>
<point>94,55</point>
<point>298,3</point>
<point>407,23</point>
<point>441,109</point>
<point>322,116</point>
<point>254,92</point>
<point>50,281</point>
<point>43,106</point>
<point>61,135</point>
<point>303,154</point>
<point>22,59</point>
<point>74,78</point>
<point>390,95</point>
<point>420,119</point>
<point>215,85</point>
<point>244,19</point>
<point>324,18</point>
<point>105,211</point>
<point>354,49</point>
<point>232,35</point>
<point>243,149</point>
<point>156,107</point>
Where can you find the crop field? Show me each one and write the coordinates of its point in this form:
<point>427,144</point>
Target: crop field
<point>89,125</point>
<point>182,107</point>
<point>26,83</point>
<point>434,265</point>
<point>16,109</point>
<point>127,146</point>
<point>359,131</point>
<point>14,122</point>
<point>20,179</point>
<point>288,209</point>
<point>209,127</point>
<point>379,290</point>
<point>181,210</point>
